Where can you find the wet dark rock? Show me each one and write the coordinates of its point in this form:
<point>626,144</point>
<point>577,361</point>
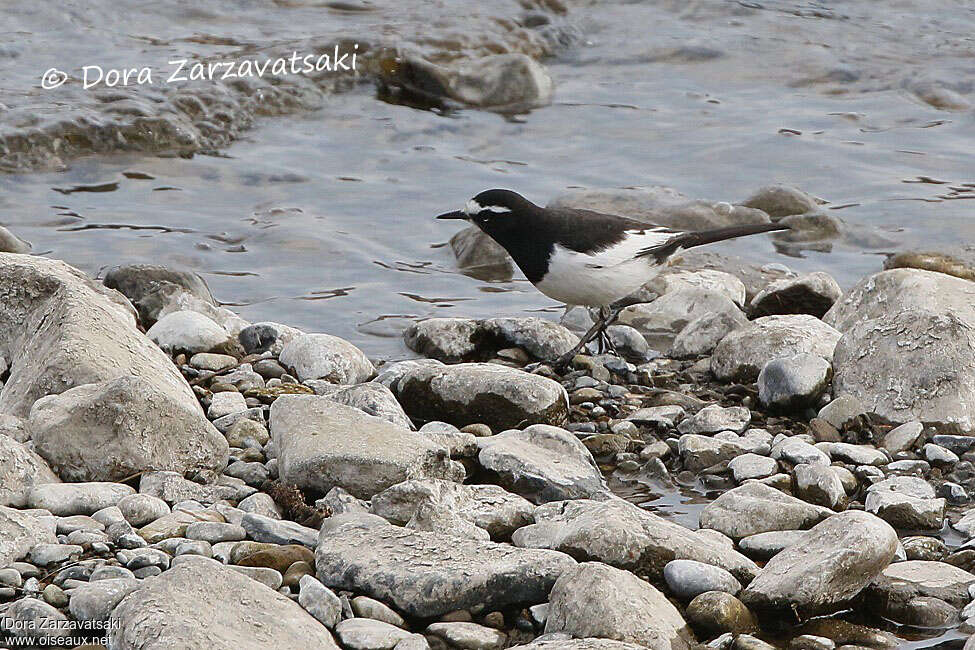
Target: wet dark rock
<point>744,352</point>
<point>596,600</point>
<point>267,337</point>
<point>810,227</point>
<point>542,463</point>
<point>427,574</point>
<point>809,576</point>
<point>473,393</point>
<point>503,82</point>
<point>954,443</point>
<point>812,294</point>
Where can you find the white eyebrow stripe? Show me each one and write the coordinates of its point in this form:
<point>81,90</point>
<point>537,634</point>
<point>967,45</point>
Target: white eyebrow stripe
<point>473,207</point>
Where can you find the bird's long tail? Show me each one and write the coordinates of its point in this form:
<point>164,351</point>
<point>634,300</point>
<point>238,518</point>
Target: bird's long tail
<point>700,238</point>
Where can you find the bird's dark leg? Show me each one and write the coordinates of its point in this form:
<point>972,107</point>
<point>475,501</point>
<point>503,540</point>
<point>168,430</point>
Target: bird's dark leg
<point>608,315</point>
<point>593,332</point>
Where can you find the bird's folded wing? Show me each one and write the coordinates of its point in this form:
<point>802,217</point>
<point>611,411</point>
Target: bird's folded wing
<point>631,246</point>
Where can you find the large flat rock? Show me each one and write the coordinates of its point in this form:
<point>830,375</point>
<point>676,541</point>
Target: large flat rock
<point>911,364</point>
<point>471,393</point>
<point>323,444</point>
<point>488,507</point>
<point>60,329</point>
<point>830,565</point>
<point>754,508</point>
<point>114,429</point>
<point>201,604</point>
<point>542,463</point>
<point>427,574</point>
<point>885,293</point>
<point>623,535</point>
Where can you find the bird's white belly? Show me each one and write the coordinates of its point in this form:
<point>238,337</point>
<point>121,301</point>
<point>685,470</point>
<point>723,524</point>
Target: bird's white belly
<point>578,279</point>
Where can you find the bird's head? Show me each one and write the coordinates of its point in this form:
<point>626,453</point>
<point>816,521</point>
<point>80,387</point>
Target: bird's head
<point>493,210</point>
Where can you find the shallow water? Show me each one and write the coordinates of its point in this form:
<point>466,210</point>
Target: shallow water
<point>323,218</point>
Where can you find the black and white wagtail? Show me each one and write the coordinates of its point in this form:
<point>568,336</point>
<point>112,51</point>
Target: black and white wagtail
<point>581,257</point>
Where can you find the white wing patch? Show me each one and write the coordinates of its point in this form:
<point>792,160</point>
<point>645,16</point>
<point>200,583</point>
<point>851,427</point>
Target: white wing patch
<point>604,277</point>
<point>632,244</point>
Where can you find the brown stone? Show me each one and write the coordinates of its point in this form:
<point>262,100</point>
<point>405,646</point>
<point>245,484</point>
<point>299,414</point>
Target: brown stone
<point>279,558</point>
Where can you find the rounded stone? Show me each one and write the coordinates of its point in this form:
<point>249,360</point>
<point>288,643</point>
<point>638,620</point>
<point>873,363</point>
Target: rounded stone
<point>715,612</point>
<point>689,578</point>
<point>793,382</point>
<point>187,331</point>
<point>142,509</point>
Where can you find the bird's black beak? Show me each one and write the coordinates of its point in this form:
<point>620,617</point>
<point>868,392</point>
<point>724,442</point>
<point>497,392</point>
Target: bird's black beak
<point>456,214</point>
